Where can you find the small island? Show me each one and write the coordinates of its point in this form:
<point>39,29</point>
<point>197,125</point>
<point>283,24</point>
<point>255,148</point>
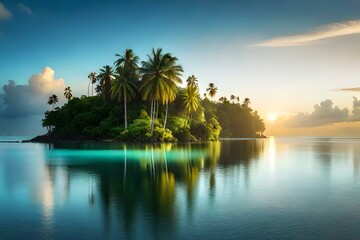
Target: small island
<point>135,101</point>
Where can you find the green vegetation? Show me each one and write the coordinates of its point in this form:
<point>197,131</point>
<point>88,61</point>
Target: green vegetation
<point>146,104</point>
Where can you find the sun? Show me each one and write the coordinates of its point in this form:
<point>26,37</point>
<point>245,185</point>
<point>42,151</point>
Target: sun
<point>271,117</point>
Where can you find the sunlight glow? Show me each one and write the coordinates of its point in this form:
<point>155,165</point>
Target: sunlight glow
<point>271,117</point>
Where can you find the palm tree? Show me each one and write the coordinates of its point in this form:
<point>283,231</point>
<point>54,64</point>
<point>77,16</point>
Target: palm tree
<point>212,90</point>
<point>68,93</point>
<point>92,80</point>
<point>232,98</point>
<point>106,76</point>
<point>190,99</point>
<point>192,81</point>
<point>124,86</point>
<point>160,74</point>
<point>53,100</point>
<point>223,100</point>
<point>128,60</point>
<point>238,99</point>
<point>246,102</point>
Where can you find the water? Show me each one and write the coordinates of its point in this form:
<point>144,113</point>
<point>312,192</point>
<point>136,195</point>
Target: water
<point>276,188</point>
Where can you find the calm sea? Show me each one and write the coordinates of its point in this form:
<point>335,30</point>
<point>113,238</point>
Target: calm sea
<point>275,188</point>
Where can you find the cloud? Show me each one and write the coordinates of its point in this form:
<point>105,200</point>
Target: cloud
<point>25,9</point>
<point>357,89</point>
<point>4,13</point>
<point>20,101</point>
<point>328,31</point>
<point>356,110</point>
<point>25,126</point>
<point>323,114</point>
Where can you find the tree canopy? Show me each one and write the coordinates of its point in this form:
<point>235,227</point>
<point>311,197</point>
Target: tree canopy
<point>160,109</point>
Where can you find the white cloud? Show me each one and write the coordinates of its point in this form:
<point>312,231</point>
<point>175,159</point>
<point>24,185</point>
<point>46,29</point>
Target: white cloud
<point>24,8</point>
<point>4,13</point>
<point>31,99</point>
<point>45,82</point>
<point>328,31</point>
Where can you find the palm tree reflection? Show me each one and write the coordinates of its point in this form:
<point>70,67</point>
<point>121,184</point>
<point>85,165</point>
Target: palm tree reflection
<point>150,188</point>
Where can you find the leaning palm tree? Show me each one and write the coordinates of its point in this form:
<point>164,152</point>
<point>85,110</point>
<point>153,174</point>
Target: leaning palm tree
<point>106,76</point>
<point>92,80</point>
<point>124,87</point>
<point>212,90</point>
<point>160,74</point>
<point>192,81</point>
<point>68,93</point>
<point>53,100</point>
<point>190,100</point>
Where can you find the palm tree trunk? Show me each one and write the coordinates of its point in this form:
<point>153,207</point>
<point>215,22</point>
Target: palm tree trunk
<point>125,114</point>
<point>166,114</point>
<point>89,88</point>
<point>157,110</point>
<point>151,116</point>
<point>92,89</point>
<point>154,117</point>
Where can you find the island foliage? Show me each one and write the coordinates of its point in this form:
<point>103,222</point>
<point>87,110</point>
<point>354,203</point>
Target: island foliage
<point>143,101</point>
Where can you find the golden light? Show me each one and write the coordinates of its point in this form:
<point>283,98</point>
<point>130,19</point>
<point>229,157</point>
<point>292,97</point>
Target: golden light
<point>271,117</point>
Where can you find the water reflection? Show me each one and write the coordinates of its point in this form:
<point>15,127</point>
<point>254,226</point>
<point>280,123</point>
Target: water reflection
<point>156,191</point>
<point>145,181</point>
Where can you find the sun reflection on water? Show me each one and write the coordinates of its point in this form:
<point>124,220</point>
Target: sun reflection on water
<point>272,153</point>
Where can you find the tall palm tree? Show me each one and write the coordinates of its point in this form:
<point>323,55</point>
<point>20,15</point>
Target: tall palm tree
<point>128,60</point>
<point>92,80</point>
<point>124,86</point>
<point>68,93</point>
<point>106,76</point>
<point>212,90</point>
<point>190,99</point>
<point>232,98</point>
<point>192,81</point>
<point>53,100</point>
<point>160,74</point>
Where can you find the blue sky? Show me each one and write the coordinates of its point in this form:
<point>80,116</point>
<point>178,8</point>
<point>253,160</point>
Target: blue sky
<point>212,40</point>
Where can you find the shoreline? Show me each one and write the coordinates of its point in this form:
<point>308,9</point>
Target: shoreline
<point>47,139</point>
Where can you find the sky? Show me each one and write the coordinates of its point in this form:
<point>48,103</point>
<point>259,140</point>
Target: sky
<point>296,60</point>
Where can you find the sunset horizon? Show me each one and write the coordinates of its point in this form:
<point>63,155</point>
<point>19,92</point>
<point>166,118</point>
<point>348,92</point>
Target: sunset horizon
<point>191,119</point>
<point>301,72</point>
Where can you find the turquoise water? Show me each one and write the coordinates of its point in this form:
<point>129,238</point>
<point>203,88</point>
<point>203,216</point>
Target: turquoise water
<point>276,188</point>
